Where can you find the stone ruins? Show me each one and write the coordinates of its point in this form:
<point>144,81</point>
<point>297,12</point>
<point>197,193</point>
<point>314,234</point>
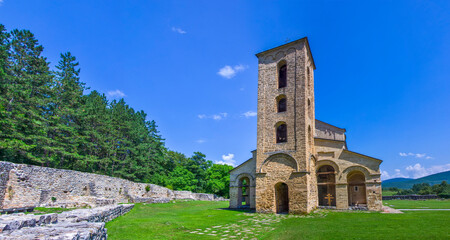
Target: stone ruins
<point>33,186</point>
<point>25,187</point>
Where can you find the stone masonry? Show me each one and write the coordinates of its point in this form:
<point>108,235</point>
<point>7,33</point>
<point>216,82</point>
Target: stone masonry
<point>87,224</point>
<point>32,186</point>
<point>297,174</point>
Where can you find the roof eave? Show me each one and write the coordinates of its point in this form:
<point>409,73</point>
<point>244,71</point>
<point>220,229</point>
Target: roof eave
<point>287,44</point>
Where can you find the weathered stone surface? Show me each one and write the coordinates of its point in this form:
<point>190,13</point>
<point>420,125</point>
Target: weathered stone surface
<point>99,214</point>
<point>60,231</point>
<point>32,186</point>
<point>75,224</point>
<point>20,220</point>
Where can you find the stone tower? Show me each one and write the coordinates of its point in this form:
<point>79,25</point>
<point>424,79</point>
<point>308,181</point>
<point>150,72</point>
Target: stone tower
<point>285,160</point>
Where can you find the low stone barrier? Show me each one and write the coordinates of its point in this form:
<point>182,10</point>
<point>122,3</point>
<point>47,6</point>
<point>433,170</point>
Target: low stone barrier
<point>24,185</point>
<point>86,224</point>
<point>410,197</point>
<point>21,220</point>
<point>60,231</point>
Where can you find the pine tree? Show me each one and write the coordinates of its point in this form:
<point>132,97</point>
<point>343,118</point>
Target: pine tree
<point>28,94</point>
<point>65,118</point>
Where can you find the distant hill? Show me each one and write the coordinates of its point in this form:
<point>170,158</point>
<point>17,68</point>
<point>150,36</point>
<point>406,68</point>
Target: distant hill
<point>406,183</point>
<point>397,180</point>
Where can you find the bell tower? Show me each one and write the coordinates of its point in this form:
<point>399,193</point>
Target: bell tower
<point>285,162</point>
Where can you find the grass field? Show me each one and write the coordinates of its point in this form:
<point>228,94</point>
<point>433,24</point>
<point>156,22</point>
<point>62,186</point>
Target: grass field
<point>389,193</point>
<point>421,204</point>
<point>209,220</point>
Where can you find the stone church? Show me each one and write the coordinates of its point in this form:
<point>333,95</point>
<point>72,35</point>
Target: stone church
<point>300,163</point>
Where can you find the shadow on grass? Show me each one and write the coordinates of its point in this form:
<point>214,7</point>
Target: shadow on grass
<point>244,210</point>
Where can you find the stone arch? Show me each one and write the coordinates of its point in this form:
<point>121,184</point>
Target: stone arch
<point>248,175</point>
<point>290,161</point>
<point>280,105</point>
<point>351,169</point>
<point>282,73</point>
<point>281,197</point>
<point>326,185</point>
<point>357,195</point>
<point>244,185</point>
<point>281,132</point>
<point>328,162</point>
<point>280,54</point>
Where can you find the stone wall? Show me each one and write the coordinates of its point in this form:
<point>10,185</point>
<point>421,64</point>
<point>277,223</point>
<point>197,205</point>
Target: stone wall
<point>25,186</point>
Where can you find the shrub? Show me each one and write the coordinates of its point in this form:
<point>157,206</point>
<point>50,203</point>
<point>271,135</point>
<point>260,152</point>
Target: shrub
<point>53,199</point>
<point>147,188</point>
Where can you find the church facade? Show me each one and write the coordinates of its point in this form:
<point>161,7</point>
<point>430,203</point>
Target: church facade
<point>300,163</point>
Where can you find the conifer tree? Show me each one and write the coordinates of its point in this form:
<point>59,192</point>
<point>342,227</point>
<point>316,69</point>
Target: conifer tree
<point>28,94</point>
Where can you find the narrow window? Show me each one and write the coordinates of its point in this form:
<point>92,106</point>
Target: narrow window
<point>282,81</point>
<point>282,105</point>
<point>309,77</point>
<point>282,133</point>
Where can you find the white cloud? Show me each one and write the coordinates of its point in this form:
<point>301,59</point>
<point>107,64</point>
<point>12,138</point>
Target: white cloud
<point>178,30</point>
<point>218,116</point>
<point>417,155</point>
<point>115,93</point>
<point>397,174</point>
<point>229,72</point>
<point>227,159</point>
<point>200,141</point>
<point>419,171</point>
<point>250,114</point>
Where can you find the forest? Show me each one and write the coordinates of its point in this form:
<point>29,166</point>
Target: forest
<point>46,119</point>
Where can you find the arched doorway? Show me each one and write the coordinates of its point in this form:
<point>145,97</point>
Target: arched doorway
<point>243,193</point>
<point>282,197</point>
<point>326,185</point>
<point>356,189</point>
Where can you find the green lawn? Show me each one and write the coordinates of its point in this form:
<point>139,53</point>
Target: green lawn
<point>423,204</point>
<point>208,220</point>
<point>389,193</point>
<point>46,210</point>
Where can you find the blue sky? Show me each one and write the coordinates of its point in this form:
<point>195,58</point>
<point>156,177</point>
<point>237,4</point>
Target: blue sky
<point>382,68</point>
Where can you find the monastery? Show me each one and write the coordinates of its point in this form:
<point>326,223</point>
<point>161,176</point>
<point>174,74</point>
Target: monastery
<point>300,163</point>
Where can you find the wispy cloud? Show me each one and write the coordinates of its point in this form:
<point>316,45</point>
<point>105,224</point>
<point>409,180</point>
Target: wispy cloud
<point>115,94</point>
<point>178,30</point>
<point>229,72</point>
<point>397,174</point>
<point>416,155</point>
<point>415,171</point>
<point>200,141</point>
<point>227,159</point>
<point>249,114</point>
<point>419,171</point>
<point>218,116</point>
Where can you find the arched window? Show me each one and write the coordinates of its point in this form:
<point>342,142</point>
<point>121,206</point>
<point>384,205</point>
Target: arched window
<point>281,133</point>
<point>281,106</point>
<point>282,76</point>
<point>326,185</point>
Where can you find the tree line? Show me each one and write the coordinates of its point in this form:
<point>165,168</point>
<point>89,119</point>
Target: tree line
<point>442,189</point>
<point>47,120</point>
